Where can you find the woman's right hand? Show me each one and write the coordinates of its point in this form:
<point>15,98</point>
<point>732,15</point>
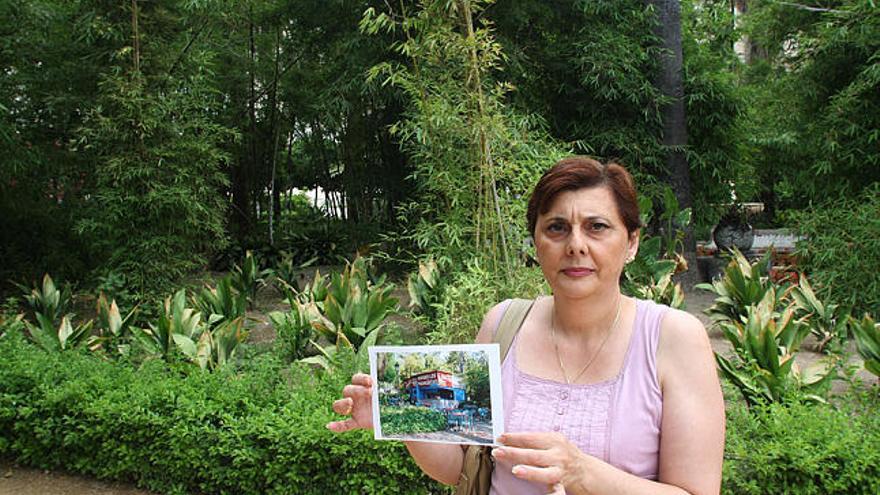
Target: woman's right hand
<point>357,403</point>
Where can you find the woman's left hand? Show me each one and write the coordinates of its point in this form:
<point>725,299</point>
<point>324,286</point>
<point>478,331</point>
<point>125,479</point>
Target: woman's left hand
<point>539,457</point>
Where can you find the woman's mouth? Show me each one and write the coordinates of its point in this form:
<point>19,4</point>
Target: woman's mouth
<point>577,272</point>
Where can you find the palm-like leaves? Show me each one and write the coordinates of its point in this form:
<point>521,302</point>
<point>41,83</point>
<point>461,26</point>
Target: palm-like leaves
<point>827,320</point>
<point>113,329</point>
<point>765,343</point>
<point>62,338</point>
<point>867,335</point>
<point>743,284</point>
<point>176,319</point>
<point>47,300</point>
<point>220,303</point>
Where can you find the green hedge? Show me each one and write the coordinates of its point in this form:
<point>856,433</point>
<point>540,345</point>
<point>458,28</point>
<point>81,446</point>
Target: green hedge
<point>804,449</point>
<point>411,419</point>
<point>261,431</point>
<point>257,431</point>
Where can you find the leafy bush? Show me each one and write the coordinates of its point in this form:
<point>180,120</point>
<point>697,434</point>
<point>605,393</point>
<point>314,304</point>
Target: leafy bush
<point>471,292</point>
<point>765,342</point>
<point>293,330</point>
<point>743,284</point>
<point>649,276</point>
<point>411,419</point>
<point>867,334</point>
<point>804,449</point>
<point>841,250</point>
<point>260,431</point>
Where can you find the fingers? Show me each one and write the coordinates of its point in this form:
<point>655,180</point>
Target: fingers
<point>343,406</point>
<point>357,392</point>
<point>531,440</point>
<point>515,455</point>
<point>341,426</point>
<point>362,380</point>
<point>547,475</point>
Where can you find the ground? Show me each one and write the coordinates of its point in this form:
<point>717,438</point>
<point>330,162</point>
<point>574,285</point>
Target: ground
<point>17,480</point>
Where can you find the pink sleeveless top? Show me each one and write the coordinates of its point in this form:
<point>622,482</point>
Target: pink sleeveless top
<point>617,420</point>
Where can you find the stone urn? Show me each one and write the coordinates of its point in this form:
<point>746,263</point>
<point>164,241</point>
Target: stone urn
<point>734,231</point>
<point>734,235</point>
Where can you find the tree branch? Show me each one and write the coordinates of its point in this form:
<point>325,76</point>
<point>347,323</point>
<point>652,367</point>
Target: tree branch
<point>812,9</point>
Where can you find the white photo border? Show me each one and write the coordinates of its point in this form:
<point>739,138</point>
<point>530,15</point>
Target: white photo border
<point>496,395</point>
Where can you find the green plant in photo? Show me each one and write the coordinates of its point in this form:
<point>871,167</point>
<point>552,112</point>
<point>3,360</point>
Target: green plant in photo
<point>424,287</point>
<point>61,338</point>
<point>212,348</point>
<point>867,334</point>
<point>220,303</point>
<point>248,279</point>
<point>826,321</point>
<point>113,331</point>
<point>288,272</point>
<point>742,285</point>
<point>765,343</point>
<point>48,301</point>
<point>293,331</point>
<point>355,306</point>
<point>402,420</point>
<point>649,276</point>
<point>175,319</point>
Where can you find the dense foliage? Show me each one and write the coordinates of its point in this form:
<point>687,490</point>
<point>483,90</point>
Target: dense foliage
<point>254,432</point>
<point>803,448</point>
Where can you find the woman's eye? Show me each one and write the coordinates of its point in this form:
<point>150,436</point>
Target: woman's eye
<point>598,226</point>
<point>556,227</point>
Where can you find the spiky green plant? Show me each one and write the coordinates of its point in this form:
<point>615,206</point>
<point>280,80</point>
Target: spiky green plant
<point>650,277</point>
<point>742,285</point>
<point>220,303</point>
<point>62,338</point>
<point>765,343</point>
<point>423,287</point>
<point>212,349</point>
<point>248,279</point>
<point>826,321</point>
<point>113,331</point>
<point>47,300</point>
<point>175,319</point>
<point>293,330</point>
<point>867,335</point>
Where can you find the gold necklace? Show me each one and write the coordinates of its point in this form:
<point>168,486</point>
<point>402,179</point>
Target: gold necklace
<point>599,351</point>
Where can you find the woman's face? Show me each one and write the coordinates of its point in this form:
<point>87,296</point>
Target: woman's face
<point>582,243</point>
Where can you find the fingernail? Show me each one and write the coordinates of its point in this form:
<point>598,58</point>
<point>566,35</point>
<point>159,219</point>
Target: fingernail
<point>517,470</point>
<point>497,452</point>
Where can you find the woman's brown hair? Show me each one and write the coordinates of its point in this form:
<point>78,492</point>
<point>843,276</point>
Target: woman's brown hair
<point>580,172</point>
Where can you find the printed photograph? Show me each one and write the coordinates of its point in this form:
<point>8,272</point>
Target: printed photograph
<point>446,394</point>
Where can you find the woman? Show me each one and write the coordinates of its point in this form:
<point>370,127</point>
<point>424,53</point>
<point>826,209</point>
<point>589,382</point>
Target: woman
<point>603,393</point>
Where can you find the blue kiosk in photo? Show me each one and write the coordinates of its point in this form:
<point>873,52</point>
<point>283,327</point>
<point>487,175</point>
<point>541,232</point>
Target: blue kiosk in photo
<point>439,390</point>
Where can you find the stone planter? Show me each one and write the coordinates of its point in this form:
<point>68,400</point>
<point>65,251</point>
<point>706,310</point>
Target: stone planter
<point>730,235</point>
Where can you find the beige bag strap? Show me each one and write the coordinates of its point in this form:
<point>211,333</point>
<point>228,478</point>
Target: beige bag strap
<point>514,316</point>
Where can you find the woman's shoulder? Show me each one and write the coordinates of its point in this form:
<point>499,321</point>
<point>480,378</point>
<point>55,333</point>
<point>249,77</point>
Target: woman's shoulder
<point>490,322</point>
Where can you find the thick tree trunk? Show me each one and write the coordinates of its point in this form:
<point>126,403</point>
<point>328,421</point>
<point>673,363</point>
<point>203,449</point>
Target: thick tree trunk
<point>671,85</point>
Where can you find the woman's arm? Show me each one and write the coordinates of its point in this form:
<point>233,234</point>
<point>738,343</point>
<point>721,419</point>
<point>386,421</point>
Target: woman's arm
<point>692,429</point>
<point>444,462</point>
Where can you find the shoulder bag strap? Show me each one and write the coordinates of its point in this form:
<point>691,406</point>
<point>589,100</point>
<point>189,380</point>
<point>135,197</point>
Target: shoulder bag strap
<point>513,318</point>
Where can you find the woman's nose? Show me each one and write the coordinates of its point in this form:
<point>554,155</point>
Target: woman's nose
<point>577,243</point>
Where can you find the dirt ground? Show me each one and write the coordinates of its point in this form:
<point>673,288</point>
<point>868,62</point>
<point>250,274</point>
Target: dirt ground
<point>17,480</point>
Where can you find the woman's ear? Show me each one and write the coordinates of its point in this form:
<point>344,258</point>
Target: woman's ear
<point>632,245</point>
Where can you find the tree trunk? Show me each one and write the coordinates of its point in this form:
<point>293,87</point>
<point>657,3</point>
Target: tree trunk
<point>671,85</point>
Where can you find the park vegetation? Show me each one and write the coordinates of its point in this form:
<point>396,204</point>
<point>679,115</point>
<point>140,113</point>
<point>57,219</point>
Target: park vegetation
<point>179,176</point>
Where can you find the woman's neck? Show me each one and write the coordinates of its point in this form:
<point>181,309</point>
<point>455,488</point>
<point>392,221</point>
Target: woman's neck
<point>585,317</point>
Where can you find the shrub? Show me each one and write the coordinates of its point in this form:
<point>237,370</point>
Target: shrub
<point>411,419</point>
<point>841,249</point>
<point>260,431</point>
<point>803,449</point>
